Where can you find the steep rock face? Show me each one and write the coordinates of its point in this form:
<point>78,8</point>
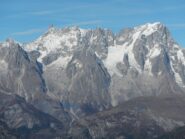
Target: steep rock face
<point>84,83</point>
<point>99,40</point>
<point>89,82</point>
<point>19,74</point>
<point>22,75</point>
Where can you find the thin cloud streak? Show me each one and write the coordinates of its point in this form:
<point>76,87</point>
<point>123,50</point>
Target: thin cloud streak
<point>52,12</point>
<point>28,32</point>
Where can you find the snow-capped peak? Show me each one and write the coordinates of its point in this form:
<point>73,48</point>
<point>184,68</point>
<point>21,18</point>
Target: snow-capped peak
<point>132,44</point>
<point>154,25</point>
<point>149,28</point>
<point>55,39</point>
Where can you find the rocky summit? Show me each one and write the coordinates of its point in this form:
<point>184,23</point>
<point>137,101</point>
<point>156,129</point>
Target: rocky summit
<point>83,83</point>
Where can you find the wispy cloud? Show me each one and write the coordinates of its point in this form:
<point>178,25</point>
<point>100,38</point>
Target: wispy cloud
<point>62,10</point>
<point>57,11</point>
<point>34,13</point>
<point>93,22</point>
<point>28,32</point>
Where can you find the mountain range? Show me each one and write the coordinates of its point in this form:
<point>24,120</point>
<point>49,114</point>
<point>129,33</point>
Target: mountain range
<point>83,83</point>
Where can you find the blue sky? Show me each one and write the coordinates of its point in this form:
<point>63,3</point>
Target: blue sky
<point>25,20</point>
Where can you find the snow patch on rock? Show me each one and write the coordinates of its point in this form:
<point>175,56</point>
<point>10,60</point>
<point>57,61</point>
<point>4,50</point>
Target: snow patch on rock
<point>115,55</point>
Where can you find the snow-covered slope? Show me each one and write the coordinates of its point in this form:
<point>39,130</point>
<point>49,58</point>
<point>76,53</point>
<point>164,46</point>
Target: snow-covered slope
<point>137,37</point>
